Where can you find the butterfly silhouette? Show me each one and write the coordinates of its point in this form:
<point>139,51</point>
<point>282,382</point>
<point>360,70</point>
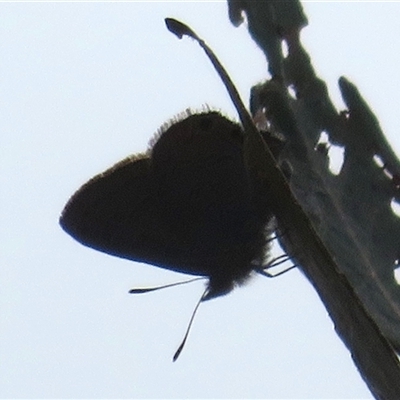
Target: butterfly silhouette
<point>189,204</point>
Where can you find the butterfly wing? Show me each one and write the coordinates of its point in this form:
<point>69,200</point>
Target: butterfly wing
<point>188,205</point>
<point>116,213</point>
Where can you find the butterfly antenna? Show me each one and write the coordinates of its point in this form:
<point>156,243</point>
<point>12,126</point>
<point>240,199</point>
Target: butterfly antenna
<point>180,29</point>
<point>274,263</point>
<point>180,348</point>
<point>151,289</point>
<point>269,275</point>
<point>277,261</point>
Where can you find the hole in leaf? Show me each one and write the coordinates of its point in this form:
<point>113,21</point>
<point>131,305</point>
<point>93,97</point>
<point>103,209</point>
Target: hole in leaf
<point>334,153</point>
<point>336,156</point>
<point>397,275</point>
<point>395,206</point>
<point>396,271</point>
<point>323,137</point>
<point>388,174</point>
<point>378,161</point>
<point>285,49</point>
<point>292,92</point>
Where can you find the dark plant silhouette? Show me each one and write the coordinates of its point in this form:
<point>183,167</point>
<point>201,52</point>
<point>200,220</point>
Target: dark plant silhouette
<point>349,246</point>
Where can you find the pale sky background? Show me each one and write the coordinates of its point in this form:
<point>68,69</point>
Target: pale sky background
<point>82,86</point>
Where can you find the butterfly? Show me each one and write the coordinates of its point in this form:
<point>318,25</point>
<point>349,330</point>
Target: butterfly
<point>188,204</point>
